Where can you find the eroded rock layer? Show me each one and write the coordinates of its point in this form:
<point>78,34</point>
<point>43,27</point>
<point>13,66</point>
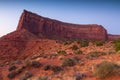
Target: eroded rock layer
<point>49,28</point>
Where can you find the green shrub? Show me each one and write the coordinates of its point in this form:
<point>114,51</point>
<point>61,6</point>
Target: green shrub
<point>43,78</point>
<point>76,59</point>
<point>99,43</point>
<point>36,64</point>
<point>93,55</point>
<point>28,62</point>
<point>20,69</point>
<point>78,52</point>
<point>11,74</point>
<point>26,76</point>
<point>55,68</point>
<point>84,43</point>
<point>68,62</point>
<point>68,42</point>
<point>117,44</point>
<point>116,41</point>
<point>74,47</point>
<point>105,69</point>
<point>80,76</point>
<point>47,67</point>
<point>61,52</point>
<point>12,67</point>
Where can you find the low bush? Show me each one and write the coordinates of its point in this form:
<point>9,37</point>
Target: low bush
<point>93,55</point>
<point>68,62</point>
<point>47,67</point>
<point>84,43</point>
<point>36,64</point>
<point>99,43</point>
<point>74,47</point>
<point>12,67</point>
<point>43,78</point>
<point>75,59</point>
<point>28,62</point>
<point>117,44</point>
<point>26,76</point>
<point>79,76</point>
<point>55,68</point>
<point>105,69</point>
<point>20,69</point>
<point>68,42</point>
<point>11,74</point>
<point>78,52</point>
<point>61,52</point>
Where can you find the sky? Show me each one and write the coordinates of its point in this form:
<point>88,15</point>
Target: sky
<point>101,12</point>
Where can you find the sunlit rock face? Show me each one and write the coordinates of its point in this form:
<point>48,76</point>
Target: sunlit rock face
<point>49,28</point>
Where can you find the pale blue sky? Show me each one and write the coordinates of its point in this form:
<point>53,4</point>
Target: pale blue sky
<point>102,12</point>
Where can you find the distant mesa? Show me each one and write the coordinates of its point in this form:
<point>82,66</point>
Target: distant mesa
<point>50,28</point>
<point>32,27</point>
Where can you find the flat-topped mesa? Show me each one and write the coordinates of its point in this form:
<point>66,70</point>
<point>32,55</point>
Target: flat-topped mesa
<point>49,28</point>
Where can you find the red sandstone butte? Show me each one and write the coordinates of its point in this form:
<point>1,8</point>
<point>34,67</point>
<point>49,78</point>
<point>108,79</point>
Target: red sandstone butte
<point>49,28</point>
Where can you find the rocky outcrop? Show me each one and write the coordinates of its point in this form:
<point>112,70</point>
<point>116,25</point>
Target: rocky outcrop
<point>113,37</point>
<point>49,28</point>
<point>13,44</point>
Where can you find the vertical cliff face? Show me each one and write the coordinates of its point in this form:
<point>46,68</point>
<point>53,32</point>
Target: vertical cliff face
<point>49,28</point>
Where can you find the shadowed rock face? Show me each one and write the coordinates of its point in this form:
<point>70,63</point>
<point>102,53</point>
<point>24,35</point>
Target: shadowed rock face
<point>49,28</point>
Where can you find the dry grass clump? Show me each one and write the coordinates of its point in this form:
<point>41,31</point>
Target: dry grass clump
<point>95,54</point>
<point>105,69</point>
<point>68,62</point>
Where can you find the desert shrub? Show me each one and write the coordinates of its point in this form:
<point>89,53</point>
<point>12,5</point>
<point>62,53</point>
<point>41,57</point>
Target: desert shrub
<point>84,43</point>
<point>74,47</point>
<point>75,59</point>
<point>116,41</point>
<point>28,62</point>
<point>79,76</point>
<point>12,67</point>
<point>36,64</point>
<point>118,52</point>
<point>68,42</point>
<point>26,76</point>
<point>68,62</point>
<point>35,56</point>
<point>105,69</point>
<point>55,68</point>
<point>99,43</point>
<point>78,52</point>
<point>111,52</point>
<point>117,44</point>
<point>20,69</point>
<point>61,52</point>
<point>47,67</point>
<point>93,55</point>
<point>61,57</point>
<point>43,78</point>
<point>11,74</point>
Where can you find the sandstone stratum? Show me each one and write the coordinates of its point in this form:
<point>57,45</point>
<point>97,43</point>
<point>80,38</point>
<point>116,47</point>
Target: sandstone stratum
<point>49,28</point>
<point>32,28</point>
